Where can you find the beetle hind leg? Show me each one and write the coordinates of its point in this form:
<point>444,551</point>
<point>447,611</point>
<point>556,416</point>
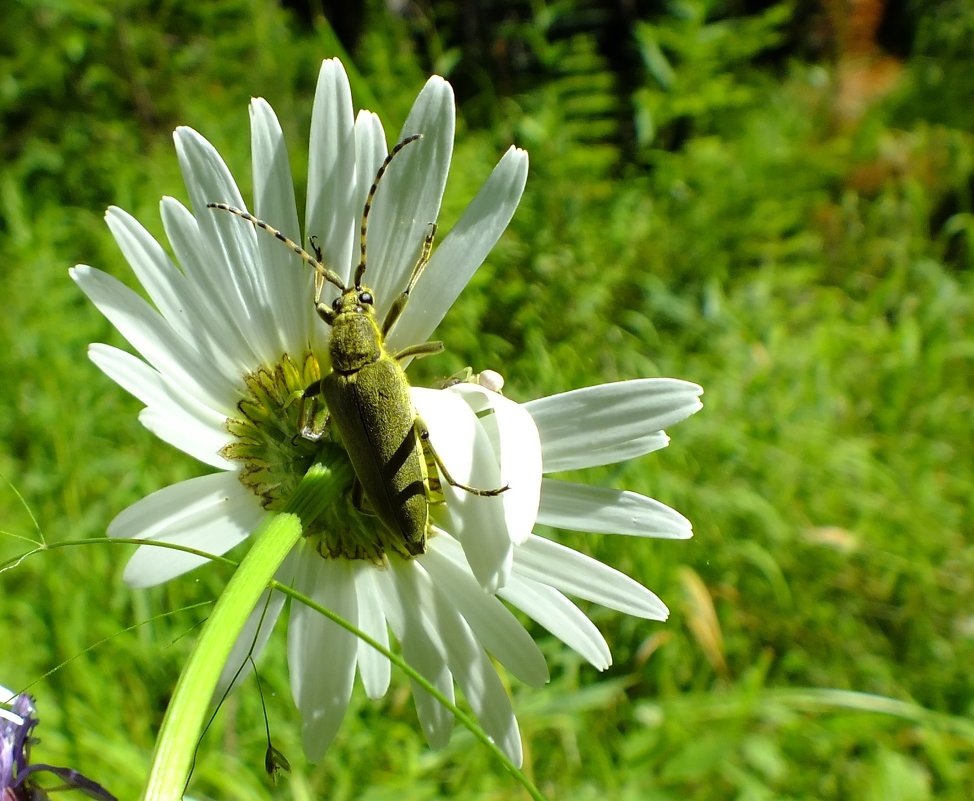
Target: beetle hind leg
<point>424,438</point>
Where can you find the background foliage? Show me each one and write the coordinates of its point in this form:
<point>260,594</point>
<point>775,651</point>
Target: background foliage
<point>771,199</point>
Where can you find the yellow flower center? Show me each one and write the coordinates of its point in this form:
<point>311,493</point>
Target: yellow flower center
<point>278,436</point>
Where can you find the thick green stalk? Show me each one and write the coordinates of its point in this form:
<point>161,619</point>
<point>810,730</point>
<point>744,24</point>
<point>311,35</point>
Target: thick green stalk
<point>273,541</point>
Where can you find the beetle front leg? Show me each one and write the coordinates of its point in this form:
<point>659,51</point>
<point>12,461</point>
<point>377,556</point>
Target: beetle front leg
<point>418,351</point>
<point>312,413</point>
<point>400,303</point>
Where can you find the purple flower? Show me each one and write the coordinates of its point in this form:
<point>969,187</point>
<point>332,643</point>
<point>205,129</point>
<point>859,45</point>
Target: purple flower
<point>18,778</point>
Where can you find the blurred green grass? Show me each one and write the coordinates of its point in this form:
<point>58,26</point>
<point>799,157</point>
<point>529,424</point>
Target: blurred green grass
<point>810,268</point>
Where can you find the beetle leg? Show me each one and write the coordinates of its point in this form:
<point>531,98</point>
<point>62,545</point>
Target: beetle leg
<point>424,439</point>
<point>400,302</point>
<point>418,351</point>
<point>325,312</point>
<point>312,414</point>
<point>359,501</point>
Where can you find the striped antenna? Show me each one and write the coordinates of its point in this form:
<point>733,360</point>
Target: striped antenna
<point>360,270</point>
<point>322,273</point>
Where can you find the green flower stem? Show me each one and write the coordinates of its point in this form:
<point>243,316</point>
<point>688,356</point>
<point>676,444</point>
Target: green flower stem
<point>273,541</point>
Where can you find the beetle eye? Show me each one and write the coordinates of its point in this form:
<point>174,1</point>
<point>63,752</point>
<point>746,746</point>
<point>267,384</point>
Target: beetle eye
<point>366,298</point>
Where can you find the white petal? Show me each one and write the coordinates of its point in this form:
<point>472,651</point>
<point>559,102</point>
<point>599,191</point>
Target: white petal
<point>211,513</point>
<point>232,242</point>
<point>287,281</point>
<point>469,664</point>
<point>599,425</point>
<point>492,623</point>
<point>576,574</point>
<point>419,651</point>
<point>579,507</point>
<point>472,669</point>
<point>462,251</point>
<point>190,436</point>
<point>189,312</point>
<point>196,429</point>
<point>223,340</point>
<point>333,211</point>
<point>560,616</point>
<point>273,187</point>
<point>164,283</point>
<point>373,666</point>
<point>409,195</point>
<point>435,720</point>
<point>370,152</point>
<point>152,336</point>
<point>321,654</point>
<point>155,513</point>
<point>476,521</point>
<point>517,445</point>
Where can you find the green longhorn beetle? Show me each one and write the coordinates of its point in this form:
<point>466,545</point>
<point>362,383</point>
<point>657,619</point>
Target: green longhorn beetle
<point>367,391</point>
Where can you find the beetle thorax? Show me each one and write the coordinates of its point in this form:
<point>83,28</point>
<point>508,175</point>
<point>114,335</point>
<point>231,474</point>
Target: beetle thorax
<point>356,339</point>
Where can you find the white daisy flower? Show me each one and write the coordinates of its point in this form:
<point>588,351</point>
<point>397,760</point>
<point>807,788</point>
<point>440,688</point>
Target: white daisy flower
<point>233,340</point>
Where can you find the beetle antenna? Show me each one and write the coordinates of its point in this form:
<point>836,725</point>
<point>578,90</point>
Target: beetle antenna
<point>321,272</point>
<point>360,270</point>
